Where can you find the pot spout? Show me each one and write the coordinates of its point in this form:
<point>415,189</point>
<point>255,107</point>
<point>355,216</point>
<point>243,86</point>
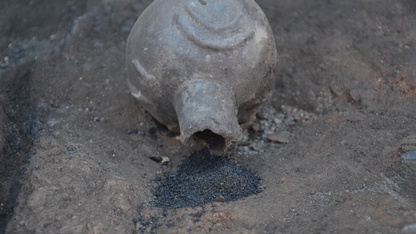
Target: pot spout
<point>207,116</point>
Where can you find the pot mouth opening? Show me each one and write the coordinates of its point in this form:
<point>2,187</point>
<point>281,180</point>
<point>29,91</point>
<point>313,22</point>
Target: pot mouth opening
<point>215,142</point>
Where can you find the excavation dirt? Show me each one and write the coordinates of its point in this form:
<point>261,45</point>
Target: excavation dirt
<point>333,151</point>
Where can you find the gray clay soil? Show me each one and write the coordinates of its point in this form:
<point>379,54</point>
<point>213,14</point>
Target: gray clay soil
<point>328,148</point>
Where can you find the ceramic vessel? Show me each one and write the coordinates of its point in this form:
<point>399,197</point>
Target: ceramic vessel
<point>202,67</point>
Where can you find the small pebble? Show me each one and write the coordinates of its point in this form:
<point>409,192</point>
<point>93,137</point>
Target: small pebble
<point>262,115</point>
<point>71,149</point>
<point>409,155</point>
<point>220,199</point>
<point>411,228</point>
<point>256,127</point>
<point>98,119</point>
<point>281,137</point>
<point>136,132</point>
<point>161,159</point>
<point>277,121</point>
<point>52,122</point>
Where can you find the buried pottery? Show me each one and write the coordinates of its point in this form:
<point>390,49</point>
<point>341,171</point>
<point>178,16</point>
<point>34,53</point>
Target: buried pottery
<point>202,68</point>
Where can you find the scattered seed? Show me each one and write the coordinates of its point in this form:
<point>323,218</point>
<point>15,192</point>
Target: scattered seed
<point>203,178</point>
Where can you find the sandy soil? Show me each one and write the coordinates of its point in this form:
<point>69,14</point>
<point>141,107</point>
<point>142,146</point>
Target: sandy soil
<point>76,147</point>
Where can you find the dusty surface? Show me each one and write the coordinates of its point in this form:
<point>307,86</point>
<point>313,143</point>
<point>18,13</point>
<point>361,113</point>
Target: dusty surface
<point>344,104</point>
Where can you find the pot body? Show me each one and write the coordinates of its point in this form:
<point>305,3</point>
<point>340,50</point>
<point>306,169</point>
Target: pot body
<point>177,47</point>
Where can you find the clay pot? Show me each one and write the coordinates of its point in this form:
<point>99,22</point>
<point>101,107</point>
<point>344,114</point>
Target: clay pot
<point>202,67</point>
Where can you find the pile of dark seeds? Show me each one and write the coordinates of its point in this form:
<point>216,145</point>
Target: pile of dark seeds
<point>204,178</point>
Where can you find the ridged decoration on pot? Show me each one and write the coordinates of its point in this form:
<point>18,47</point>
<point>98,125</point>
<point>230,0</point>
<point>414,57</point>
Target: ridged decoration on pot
<point>202,67</point>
